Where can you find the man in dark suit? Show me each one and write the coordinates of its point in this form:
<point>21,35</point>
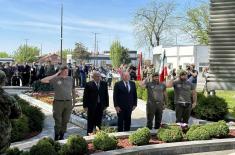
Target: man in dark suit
<point>125,101</point>
<point>95,101</point>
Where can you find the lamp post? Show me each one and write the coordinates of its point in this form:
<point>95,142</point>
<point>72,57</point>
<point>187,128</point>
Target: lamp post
<point>61,33</point>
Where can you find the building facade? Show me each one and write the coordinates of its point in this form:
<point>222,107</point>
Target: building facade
<point>182,55</point>
<point>104,59</point>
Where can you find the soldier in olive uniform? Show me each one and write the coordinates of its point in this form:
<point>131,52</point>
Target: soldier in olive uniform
<point>9,109</point>
<point>63,100</point>
<point>157,96</point>
<point>185,97</point>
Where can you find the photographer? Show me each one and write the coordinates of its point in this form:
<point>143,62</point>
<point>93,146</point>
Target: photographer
<point>192,75</point>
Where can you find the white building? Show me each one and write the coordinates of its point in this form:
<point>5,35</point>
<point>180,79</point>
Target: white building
<point>104,59</point>
<point>182,55</point>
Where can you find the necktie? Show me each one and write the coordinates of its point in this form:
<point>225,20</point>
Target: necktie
<point>127,86</point>
<point>98,86</point>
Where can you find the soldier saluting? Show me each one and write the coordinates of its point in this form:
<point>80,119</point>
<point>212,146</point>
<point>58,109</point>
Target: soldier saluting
<point>157,96</point>
<point>9,109</point>
<point>63,101</point>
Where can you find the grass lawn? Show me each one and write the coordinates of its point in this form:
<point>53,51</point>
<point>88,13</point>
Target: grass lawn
<point>229,97</point>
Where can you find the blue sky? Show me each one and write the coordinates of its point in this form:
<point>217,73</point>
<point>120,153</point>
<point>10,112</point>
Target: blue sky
<point>39,22</point>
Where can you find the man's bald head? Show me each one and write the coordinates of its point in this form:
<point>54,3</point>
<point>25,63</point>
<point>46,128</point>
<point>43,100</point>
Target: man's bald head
<point>125,76</point>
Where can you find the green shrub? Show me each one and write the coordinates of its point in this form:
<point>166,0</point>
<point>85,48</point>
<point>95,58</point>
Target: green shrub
<point>34,114</point>
<point>39,86</point>
<point>170,134</point>
<point>218,129</point>
<point>103,141</point>
<point>211,108</point>
<point>197,133</point>
<point>108,129</point>
<point>170,104</point>
<point>144,94</point>
<point>36,118</point>
<point>13,151</point>
<point>140,137</point>
<point>20,128</point>
<point>139,90</point>
<point>43,147</point>
<point>25,153</point>
<point>75,145</point>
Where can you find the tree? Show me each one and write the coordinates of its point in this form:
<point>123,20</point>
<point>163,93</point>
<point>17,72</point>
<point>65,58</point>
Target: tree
<point>65,52</point>
<point>81,52</point>
<point>115,53</point>
<point>119,54</point>
<point>150,22</point>
<point>4,55</point>
<point>26,54</point>
<point>125,57</point>
<point>197,23</point>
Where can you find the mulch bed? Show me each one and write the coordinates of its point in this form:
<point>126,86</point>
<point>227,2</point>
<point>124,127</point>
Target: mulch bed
<point>123,143</point>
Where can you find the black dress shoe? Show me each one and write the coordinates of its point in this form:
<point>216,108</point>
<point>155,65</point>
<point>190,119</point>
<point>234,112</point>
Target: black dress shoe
<point>61,136</point>
<point>56,137</point>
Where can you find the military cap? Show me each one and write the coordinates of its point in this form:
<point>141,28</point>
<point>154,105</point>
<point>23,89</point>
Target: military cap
<point>2,77</point>
<point>155,74</point>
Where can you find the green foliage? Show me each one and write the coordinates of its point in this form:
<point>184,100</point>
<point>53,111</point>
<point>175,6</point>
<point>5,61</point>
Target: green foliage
<point>75,145</point>
<point>211,108</point>
<point>103,141</point>
<point>13,151</point>
<point>4,55</point>
<point>139,90</point>
<point>218,129</point>
<point>145,95</point>
<point>140,137</point>
<point>170,134</point>
<point>125,57</point>
<point>65,52</point>
<point>170,104</point>
<point>115,53</point>
<point>41,87</point>
<point>26,54</point>
<point>197,133</point>
<point>80,52</point>
<point>108,129</point>
<point>43,147</point>
<point>197,23</point>
<point>20,128</point>
<point>34,114</point>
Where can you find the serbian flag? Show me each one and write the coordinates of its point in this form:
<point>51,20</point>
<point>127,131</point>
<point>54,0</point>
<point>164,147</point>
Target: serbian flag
<point>163,68</point>
<point>139,67</point>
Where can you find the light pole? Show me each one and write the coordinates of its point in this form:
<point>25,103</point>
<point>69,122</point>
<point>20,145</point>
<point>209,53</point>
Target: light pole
<point>61,33</point>
<point>95,47</point>
<point>26,46</point>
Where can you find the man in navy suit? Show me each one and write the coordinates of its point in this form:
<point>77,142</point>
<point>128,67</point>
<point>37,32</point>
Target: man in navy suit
<point>95,101</point>
<point>125,101</point>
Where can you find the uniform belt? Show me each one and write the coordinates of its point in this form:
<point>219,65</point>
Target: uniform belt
<point>62,100</point>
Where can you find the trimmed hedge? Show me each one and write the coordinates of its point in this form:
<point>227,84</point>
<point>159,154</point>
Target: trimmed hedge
<point>140,137</point>
<point>20,128</point>
<point>197,132</point>
<point>211,108</point>
<point>218,129</point>
<point>103,141</point>
<point>171,133</point>
<point>75,145</point>
<point>43,147</point>
<point>31,121</point>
